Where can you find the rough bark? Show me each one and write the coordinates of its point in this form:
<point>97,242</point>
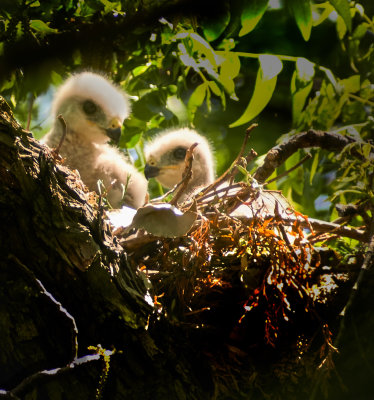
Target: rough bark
<point>66,285</point>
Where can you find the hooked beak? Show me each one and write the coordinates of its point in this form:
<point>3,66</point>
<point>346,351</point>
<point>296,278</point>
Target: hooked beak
<point>114,132</point>
<point>151,171</point>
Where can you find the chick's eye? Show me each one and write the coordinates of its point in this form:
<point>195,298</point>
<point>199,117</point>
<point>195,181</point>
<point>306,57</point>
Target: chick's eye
<point>89,107</point>
<point>180,153</point>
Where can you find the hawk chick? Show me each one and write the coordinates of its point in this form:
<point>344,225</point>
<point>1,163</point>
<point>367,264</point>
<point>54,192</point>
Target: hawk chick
<point>165,159</point>
<point>94,110</point>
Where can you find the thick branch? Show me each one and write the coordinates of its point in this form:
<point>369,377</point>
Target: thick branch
<point>312,138</point>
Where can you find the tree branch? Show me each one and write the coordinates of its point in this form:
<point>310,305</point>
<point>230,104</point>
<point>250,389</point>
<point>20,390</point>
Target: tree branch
<point>278,155</point>
<point>45,375</point>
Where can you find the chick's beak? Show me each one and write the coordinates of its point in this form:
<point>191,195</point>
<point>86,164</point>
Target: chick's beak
<point>150,171</point>
<point>114,132</point>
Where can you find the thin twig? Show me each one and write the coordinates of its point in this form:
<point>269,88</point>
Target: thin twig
<point>233,168</point>
<point>285,173</point>
<point>186,176</point>
<point>218,191</point>
<point>64,131</point>
<point>31,104</point>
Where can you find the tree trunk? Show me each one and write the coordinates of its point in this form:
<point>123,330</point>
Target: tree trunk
<point>67,285</point>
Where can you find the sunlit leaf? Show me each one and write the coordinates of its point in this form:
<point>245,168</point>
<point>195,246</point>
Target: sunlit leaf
<point>351,84</point>
<point>367,148</point>
<point>41,26</point>
<point>301,86</point>
<point>197,98</point>
<point>202,46</point>
<point>56,78</point>
<point>134,140</point>
<point>302,11</point>
<point>341,27</point>
<point>360,31</point>
<point>299,96</point>
<point>305,69</point>
<point>229,70</point>
<point>270,66</point>
<point>139,70</point>
<point>342,8</point>
<point>330,76</point>
<point>214,88</point>
<point>252,14</point>
<point>319,18</point>
<point>111,6</point>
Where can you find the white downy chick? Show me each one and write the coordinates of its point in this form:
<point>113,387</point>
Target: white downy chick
<point>165,156</point>
<point>94,110</point>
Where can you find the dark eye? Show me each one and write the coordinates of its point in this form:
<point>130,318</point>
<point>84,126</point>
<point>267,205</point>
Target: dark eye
<point>89,107</point>
<point>179,153</point>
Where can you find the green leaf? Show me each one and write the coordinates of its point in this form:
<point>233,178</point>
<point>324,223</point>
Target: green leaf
<point>139,70</point>
<point>251,15</point>
<point>313,169</point>
<point>367,148</point>
<point>134,140</point>
<point>41,26</point>
<point>56,78</point>
<point>341,27</point>
<point>360,31</point>
<point>295,177</point>
<point>202,46</point>
<point>301,85</point>
<point>351,84</point>
<point>214,88</point>
<point>343,9</point>
<point>196,99</point>
<point>270,66</point>
<point>320,18</point>
<point>302,11</point>
<point>214,27</point>
<point>228,71</point>
<point>330,76</point>
<point>299,96</point>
